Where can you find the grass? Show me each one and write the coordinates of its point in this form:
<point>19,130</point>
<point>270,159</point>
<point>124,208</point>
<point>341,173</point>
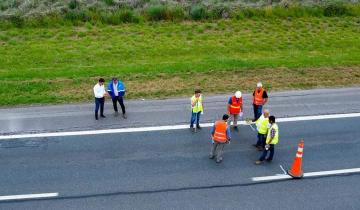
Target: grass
<point>166,59</point>
<point>45,13</point>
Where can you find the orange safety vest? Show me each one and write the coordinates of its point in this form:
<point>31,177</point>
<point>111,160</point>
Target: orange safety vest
<point>258,97</point>
<point>235,106</point>
<point>220,131</point>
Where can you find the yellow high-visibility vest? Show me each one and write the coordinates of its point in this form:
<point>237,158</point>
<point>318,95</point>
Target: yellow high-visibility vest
<point>275,140</point>
<point>262,124</point>
<point>198,105</point>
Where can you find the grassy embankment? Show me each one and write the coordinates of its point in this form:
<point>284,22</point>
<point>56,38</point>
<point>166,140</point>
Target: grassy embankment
<point>165,59</point>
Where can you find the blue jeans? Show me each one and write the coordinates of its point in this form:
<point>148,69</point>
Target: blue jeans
<point>195,116</point>
<point>271,149</point>
<point>99,103</point>
<point>257,111</point>
<point>261,140</point>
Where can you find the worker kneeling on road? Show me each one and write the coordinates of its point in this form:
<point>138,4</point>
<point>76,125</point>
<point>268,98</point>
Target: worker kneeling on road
<point>220,135</point>
<point>271,139</point>
<point>262,126</point>
<point>235,107</point>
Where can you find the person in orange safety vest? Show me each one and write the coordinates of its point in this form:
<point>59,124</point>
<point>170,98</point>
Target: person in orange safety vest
<point>235,107</point>
<point>260,97</point>
<point>220,136</point>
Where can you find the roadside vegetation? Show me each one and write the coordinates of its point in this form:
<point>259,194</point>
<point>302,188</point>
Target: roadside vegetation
<point>45,13</point>
<point>54,59</point>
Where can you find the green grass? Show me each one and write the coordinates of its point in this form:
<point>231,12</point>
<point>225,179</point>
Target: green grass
<point>162,59</point>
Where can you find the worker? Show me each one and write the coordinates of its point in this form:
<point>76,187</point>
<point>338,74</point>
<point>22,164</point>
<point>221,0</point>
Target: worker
<point>116,90</point>
<point>235,107</point>
<point>272,139</point>
<point>262,127</point>
<point>260,98</point>
<point>196,110</point>
<point>99,93</point>
<point>220,136</point>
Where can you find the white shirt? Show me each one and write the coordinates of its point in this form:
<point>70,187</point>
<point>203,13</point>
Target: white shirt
<point>116,92</point>
<point>99,91</point>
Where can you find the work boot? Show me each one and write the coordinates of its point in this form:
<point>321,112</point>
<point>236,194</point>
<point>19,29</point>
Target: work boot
<point>258,162</point>
<point>124,116</point>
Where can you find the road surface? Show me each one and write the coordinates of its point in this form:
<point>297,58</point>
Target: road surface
<point>170,169</point>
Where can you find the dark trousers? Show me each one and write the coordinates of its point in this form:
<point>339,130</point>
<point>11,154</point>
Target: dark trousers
<point>257,111</point>
<point>271,149</point>
<point>99,102</point>
<point>261,140</point>
<point>121,102</point>
<point>195,116</point>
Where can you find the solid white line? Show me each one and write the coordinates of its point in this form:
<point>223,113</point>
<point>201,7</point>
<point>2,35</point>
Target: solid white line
<point>310,174</point>
<point>167,127</point>
<point>28,196</point>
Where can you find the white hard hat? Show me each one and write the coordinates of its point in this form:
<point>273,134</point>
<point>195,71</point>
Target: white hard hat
<point>238,94</point>
<point>259,85</point>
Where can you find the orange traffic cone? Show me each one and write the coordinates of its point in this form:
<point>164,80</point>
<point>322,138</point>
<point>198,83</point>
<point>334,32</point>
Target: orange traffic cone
<point>296,169</point>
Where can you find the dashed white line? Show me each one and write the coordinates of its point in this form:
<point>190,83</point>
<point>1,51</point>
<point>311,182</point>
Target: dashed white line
<point>28,196</point>
<point>168,127</point>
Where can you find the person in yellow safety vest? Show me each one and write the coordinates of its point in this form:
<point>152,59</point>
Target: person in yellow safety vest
<point>235,107</point>
<point>262,126</point>
<point>221,135</point>
<point>196,109</point>
<point>272,139</point>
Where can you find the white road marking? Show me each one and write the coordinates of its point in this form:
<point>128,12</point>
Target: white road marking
<point>310,174</point>
<point>167,127</point>
<point>282,168</point>
<point>28,196</point>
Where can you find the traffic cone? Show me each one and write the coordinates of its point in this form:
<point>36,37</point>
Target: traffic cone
<point>296,168</point>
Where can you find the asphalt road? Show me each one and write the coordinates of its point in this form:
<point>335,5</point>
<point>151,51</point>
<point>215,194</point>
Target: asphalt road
<point>171,170</point>
<point>172,111</point>
<point>153,170</point>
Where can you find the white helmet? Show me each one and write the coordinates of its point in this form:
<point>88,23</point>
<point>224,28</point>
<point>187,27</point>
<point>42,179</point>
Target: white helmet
<point>238,94</point>
<point>259,85</point>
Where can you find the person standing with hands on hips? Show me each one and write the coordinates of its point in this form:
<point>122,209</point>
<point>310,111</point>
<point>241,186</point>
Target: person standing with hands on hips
<point>196,109</point>
<point>260,98</point>
<point>235,107</point>
<point>116,89</point>
<point>100,93</point>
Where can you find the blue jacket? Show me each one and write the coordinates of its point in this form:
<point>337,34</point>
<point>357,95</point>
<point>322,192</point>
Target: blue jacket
<point>120,88</point>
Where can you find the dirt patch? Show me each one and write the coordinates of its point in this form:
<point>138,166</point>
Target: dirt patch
<point>65,90</point>
<point>244,80</point>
